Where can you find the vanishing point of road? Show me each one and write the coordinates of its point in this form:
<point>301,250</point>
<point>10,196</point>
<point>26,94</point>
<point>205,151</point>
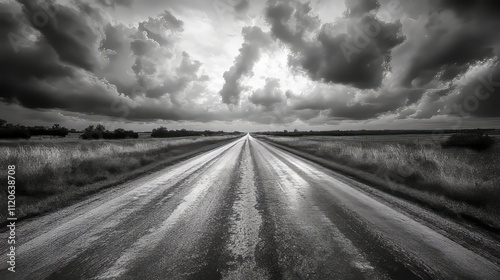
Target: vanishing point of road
<point>248,210</point>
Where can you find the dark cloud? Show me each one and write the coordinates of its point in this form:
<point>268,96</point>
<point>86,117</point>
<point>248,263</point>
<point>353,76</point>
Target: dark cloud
<point>113,3</point>
<point>57,66</point>
<point>372,106</point>
<point>470,8</point>
<point>458,34</point>
<point>254,40</point>
<point>289,21</point>
<point>35,78</point>
<point>355,51</point>
<point>421,61</point>
<point>479,96</point>
<point>269,96</point>
<point>242,6</point>
<point>356,8</point>
<point>67,31</point>
<point>142,47</point>
<point>113,39</point>
<point>347,103</point>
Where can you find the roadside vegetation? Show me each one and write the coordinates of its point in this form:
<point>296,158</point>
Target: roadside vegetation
<point>10,131</point>
<point>463,182</point>
<point>474,141</point>
<point>57,172</point>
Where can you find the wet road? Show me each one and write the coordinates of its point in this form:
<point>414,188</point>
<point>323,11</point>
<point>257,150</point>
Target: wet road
<point>247,210</point>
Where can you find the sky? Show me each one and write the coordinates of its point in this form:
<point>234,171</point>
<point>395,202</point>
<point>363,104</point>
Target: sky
<point>251,65</point>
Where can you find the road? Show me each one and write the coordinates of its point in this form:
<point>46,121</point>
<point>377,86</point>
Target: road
<point>247,210</point>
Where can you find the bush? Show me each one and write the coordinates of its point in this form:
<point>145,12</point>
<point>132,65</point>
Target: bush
<point>100,132</point>
<point>478,142</point>
<point>14,133</point>
<point>163,132</point>
<point>44,131</point>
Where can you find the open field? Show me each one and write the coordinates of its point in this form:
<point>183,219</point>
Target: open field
<point>52,173</point>
<point>457,181</point>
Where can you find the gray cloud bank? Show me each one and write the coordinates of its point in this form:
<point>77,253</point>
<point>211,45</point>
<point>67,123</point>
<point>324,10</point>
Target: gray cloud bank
<point>395,59</point>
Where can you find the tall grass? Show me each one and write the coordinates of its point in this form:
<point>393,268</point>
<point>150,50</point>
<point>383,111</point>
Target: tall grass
<point>418,168</point>
<point>61,171</point>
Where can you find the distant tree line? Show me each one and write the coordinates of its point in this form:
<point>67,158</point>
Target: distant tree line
<point>297,133</point>
<point>163,132</point>
<point>10,131</point>
<point>473,141</point>
<point>99,132</point>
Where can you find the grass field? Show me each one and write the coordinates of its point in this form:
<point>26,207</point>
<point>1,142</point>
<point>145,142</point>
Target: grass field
<point>52,173</point>
<point>461,181</point>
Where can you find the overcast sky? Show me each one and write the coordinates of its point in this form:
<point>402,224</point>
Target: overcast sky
<point>251,65</point>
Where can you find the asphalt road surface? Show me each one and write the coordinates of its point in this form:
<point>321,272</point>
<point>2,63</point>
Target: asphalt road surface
<point>248,210</point>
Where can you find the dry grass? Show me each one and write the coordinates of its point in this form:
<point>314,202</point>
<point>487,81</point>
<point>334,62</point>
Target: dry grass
<point>63,170</point>
<point>419,168</point>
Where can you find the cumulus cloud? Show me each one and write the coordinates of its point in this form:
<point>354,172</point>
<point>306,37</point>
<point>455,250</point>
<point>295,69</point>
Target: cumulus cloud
<point>354,51</point>
<point>113,3</point>
<point>457,34</point>
<point>161,28</point>
<point>269,96</point>
<point>378,60</point>
<point>79,62</point>
<point>254,40</point>
<point>73,37</point>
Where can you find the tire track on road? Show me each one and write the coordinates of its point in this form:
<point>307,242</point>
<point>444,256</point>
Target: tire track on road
<point>245,222</point>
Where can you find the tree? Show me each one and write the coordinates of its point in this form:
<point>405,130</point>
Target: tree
<point>89,128</point>
<point>92,132</point>
<point>159,132</point>
<point>100,128</point>
<point>2,122</point>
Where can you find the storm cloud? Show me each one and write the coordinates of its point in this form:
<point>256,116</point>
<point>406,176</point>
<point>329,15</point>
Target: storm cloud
<point>354,51</point>
<point>254,40</point>
<point>264,62</point>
